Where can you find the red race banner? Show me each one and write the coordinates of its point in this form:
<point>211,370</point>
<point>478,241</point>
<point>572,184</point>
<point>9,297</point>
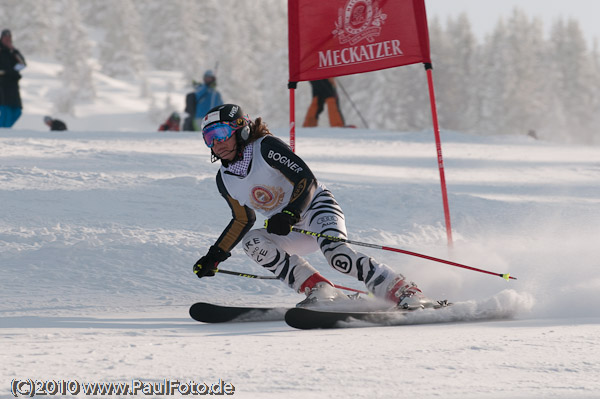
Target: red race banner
<point>329,38</point>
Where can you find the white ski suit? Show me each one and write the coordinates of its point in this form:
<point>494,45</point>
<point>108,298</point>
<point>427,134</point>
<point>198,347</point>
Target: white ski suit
<point>277,178</point>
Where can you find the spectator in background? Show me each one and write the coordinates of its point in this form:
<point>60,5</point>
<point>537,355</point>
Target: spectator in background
<point>531,133</point>
<point>55,124</point>
<point>190,110</point>
<point>172,123</point>
<point>11,63</point>
<point>324,92</point>
<point>207,97</point>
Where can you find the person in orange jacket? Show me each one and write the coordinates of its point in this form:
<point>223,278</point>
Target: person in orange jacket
<point>324,93</point>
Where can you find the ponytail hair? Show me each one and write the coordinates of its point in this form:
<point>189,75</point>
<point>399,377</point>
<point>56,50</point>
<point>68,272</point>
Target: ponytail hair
<point>258,129</point>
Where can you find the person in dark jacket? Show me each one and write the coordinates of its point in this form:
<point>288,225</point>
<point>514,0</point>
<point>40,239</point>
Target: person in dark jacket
<point>55,124</point>
<point>324,92</point>
<point>11,63</point>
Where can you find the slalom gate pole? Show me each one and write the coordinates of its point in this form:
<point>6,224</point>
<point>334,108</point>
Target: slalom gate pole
<point>505,276</point>
<point>352,102</point>
<point>292,88</point>
<point>239,274</point>
<point>438,144</point>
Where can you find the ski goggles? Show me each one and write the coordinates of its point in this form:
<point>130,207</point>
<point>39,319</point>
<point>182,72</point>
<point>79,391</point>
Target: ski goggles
<point>218,132</point>
<point>221,131</point>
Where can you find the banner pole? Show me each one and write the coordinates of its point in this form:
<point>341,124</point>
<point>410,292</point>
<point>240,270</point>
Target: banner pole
<point>292,87</point>
<point>438,143</point>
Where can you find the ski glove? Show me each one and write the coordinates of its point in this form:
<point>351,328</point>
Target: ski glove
<point>207,265</point>
<point>281,223</point>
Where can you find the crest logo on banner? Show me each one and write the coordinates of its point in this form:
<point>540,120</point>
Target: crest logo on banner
<point>359,20</point>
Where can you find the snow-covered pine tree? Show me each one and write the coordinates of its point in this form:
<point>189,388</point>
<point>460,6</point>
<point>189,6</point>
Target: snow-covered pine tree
<point>95,12</point>
<point>492,97</point>
<point>161,24</point>
<point>524,88</point>
<point>514,80</point>
<point>33,26</point>
<point>594,131</point>
<point>455,69</point>
<point>122,51</point>
<point>264,59</point>
<point>195,21</point>
<point>74,53</point>
<point>573,87</point>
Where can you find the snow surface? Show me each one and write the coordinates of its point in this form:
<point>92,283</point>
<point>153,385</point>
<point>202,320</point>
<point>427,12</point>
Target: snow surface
<point>101,226</point>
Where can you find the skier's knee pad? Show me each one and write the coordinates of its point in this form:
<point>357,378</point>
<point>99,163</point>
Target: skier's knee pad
<point>345,260</point>
<point>341,257</point>
<point>258,246</point>
<point>291,269</point>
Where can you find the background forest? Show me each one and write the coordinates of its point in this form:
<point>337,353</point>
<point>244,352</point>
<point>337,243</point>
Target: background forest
<point>522,76</point>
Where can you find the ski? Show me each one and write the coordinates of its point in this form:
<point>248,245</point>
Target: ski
<point>307,319</point>
<point>211,313</point>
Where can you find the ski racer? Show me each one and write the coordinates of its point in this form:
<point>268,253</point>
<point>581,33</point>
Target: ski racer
<point>261,173</point>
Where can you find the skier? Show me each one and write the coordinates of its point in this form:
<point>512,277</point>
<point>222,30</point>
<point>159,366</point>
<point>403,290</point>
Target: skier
<point>261,173</point>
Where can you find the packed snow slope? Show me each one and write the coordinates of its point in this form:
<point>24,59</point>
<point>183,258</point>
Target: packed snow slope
<point>100,229</point>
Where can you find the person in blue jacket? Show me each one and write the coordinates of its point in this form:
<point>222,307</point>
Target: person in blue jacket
<point>207,97</point>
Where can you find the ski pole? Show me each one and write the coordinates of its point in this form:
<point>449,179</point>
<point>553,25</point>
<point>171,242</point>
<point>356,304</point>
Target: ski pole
<point>505,276</point>
<point>352,102</point>
<point>239,274</point>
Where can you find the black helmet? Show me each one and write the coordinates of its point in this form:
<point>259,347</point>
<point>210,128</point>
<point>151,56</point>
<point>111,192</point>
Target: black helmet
<point>233,121</point>
<point>231,114</point>
<point>222,113</point>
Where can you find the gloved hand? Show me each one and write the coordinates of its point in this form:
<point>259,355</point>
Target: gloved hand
<point>281,223</point>
<point>206,266</point>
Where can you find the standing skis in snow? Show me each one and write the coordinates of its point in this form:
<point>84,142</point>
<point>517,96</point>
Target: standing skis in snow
<point>261,173</point>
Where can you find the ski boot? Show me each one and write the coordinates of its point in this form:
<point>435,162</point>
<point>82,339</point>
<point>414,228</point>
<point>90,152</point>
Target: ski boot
<point>408,296</point>
<point>322,293</point>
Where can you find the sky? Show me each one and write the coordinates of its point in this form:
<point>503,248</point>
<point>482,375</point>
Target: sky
<point>484,14</point>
